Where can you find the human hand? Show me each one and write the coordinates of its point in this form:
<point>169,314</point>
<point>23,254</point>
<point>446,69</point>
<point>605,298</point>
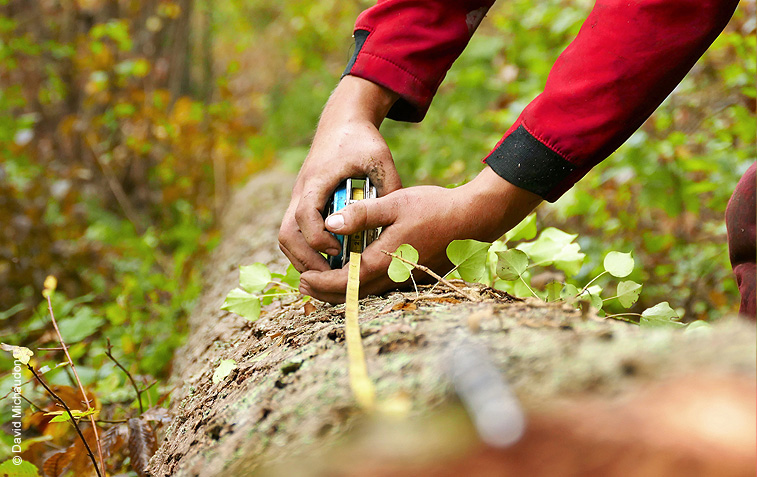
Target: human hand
<point>426,217</point>
<point>347,143</point>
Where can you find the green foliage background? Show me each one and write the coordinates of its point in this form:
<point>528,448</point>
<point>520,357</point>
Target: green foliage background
<point>123,126</point>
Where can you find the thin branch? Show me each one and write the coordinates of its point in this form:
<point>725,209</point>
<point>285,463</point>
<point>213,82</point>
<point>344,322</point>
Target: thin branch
<point>39,409</point>
<point>70,416</point>
<point>423,268</point>
<point>109,354</point>
<point>592,281</point>
<point>78,381</point>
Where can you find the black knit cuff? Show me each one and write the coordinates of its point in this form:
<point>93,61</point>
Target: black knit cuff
<point>524,161</point>
<point>360,37</point>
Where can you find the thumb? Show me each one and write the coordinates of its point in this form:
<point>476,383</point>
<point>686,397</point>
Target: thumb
<point>363,215</point>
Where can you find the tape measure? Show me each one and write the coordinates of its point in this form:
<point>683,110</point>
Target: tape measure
<point>349,191</point>
<point>362,387</point>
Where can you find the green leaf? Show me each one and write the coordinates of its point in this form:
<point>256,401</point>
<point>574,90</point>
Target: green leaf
<point>569,259</point>
<point>253,278</point>
<point>62,416</point>
<point>511,264</point>
<point>83,323</point>
<point>553,290</point>
<point>243,304</point>
<point>619,264</point>
<point>698,326</point>
<point>11,311</point>
<point>225,367</point>
<point>292,277</point>
<point>659,315</point>
<point>399,271</point>
<point>555,246</point>
<point>470,258</point>
<point>23,469</point>
<point>595,300</point>
<point>628,292</point>
<point>525,230</point>
<point>568,292</point>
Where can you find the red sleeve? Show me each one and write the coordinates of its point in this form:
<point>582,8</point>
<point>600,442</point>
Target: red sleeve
<point>627,57</point>
<point>407,46</point>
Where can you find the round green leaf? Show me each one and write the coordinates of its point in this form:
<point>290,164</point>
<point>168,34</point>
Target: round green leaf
<point>469,256</point>
<point>568,292</point>
<point>628,292</point>
<point>698,326</point>
<point>511,264</point>
<point>253,278</point>
<point>659,315</point>
<point>619,264</point>
<point>399,271</point>
<point>525,230</point>
<point>243,304</point>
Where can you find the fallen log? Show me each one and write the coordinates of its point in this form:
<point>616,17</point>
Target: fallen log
<point>600,397</point>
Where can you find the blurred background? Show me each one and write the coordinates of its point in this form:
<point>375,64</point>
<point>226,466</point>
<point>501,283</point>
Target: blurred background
<point>125,125</point>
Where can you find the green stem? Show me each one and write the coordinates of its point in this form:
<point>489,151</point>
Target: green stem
<point>620,315</point>
<point>588,284</point>
<point>529,288</point>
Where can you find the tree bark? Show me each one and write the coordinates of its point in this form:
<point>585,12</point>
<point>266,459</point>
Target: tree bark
<point>601,397</point>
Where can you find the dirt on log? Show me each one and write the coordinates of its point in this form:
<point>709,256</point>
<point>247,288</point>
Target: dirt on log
<point>600,397</point>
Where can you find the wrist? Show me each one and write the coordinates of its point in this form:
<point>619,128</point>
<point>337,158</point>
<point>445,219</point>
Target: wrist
<point>357,99</point>
<point>501,203</point>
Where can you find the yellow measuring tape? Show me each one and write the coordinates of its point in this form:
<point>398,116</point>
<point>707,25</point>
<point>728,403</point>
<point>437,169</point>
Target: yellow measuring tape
<point>362,387</point>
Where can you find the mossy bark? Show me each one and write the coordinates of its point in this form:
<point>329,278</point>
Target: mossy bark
<point>289,395</point>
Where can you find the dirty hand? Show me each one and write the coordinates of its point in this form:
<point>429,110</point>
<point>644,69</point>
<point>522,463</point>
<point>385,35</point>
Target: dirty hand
<point>426,217</point>
<point>347,143</point>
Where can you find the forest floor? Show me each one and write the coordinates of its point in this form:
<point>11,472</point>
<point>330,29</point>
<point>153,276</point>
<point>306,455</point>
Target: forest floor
<point>602,397</point>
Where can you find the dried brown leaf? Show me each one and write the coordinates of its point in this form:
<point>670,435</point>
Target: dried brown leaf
<point>56,464</point>
<point>113,440</point>
<point>405,306</point>
<point>142,445</point>
<point>308,308</point>
<point>157,414</point>
<point>81,465</point>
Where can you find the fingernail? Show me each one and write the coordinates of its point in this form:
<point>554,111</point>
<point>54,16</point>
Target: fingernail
<point>333,252</point>
<point>335,221</point>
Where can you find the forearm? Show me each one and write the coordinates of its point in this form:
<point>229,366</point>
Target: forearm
<point>357,99</point>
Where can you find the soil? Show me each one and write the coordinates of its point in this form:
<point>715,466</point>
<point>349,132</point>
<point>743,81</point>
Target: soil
<point>287,408</point>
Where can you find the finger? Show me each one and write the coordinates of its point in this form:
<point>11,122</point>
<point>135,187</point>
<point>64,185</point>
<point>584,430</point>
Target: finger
<point>363,215</point>
<point>297,250</point>
<point>310,223</point>
<point>331,285</point>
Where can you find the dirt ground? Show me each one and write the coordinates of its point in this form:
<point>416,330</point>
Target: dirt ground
<point>601,397</point>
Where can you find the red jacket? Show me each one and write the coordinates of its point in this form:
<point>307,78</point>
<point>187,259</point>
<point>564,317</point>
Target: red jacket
<point>627,57</point>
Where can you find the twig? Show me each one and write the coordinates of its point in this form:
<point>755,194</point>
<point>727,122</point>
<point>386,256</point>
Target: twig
<point>128,375</point>
<point>70,416</point>
<point>39,409</point>
<point>78,381</point>
<point>424,268</point>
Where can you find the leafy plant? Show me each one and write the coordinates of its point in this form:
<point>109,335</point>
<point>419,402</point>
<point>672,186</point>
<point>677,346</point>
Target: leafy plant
<point>257,287</point>
<point>512,270</point>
